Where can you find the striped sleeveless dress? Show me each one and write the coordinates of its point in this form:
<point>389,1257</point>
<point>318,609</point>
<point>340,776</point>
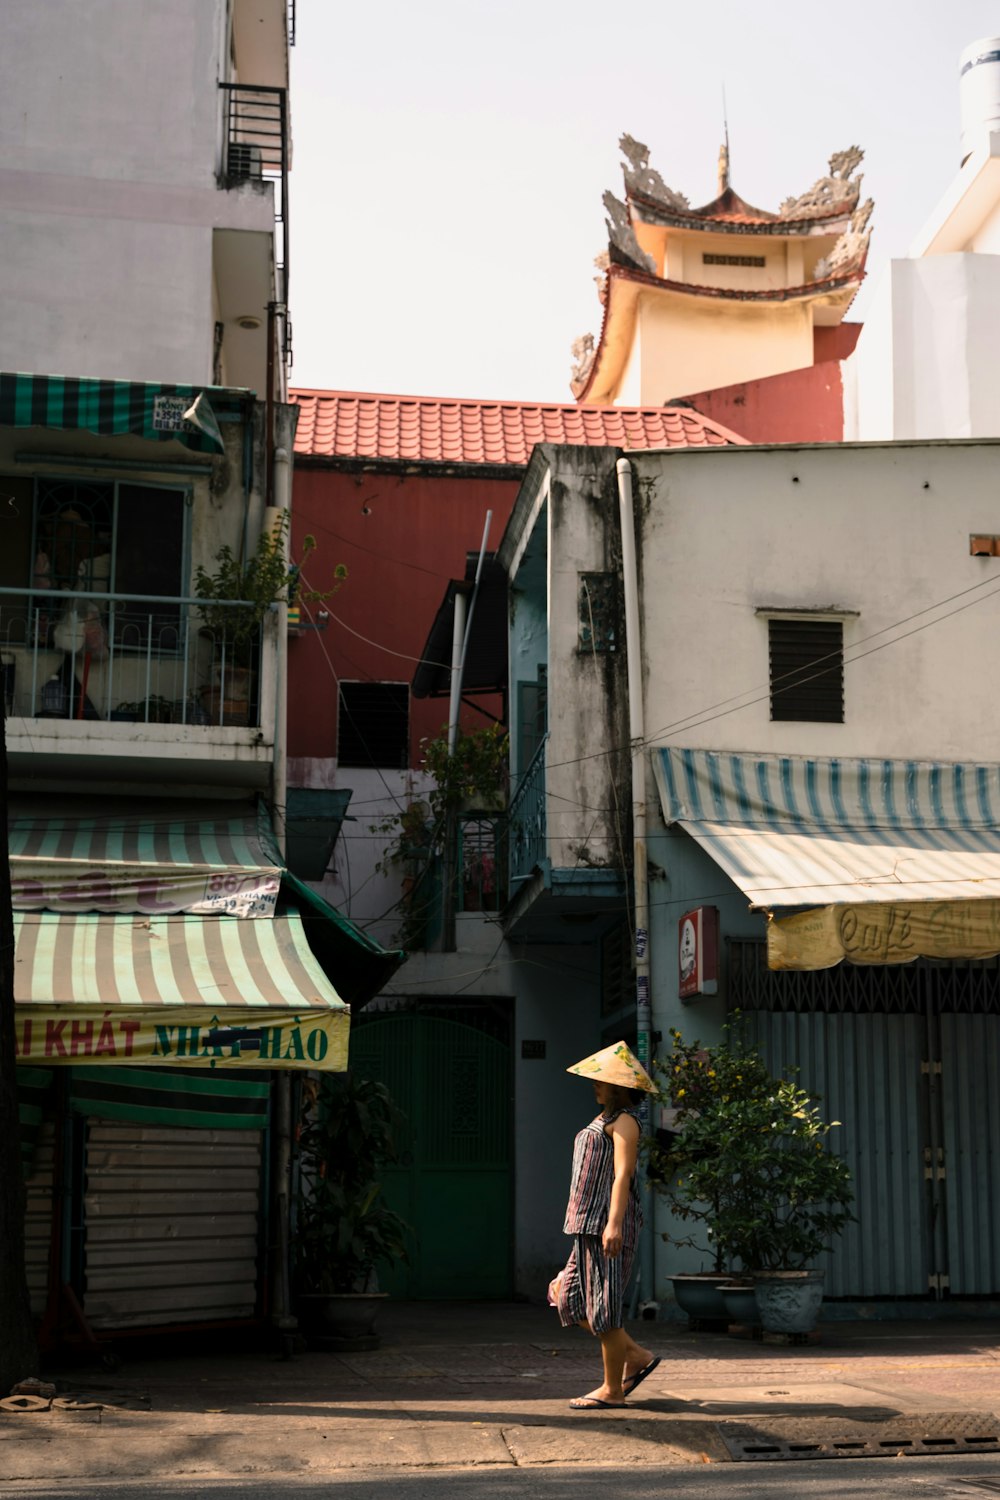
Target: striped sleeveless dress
<point>592,1287</point>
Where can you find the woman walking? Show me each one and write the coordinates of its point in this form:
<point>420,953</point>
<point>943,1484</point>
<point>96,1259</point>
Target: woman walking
<point>604,1217</point>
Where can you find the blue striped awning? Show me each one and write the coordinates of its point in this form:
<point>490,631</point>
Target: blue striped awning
<point>791,831</point>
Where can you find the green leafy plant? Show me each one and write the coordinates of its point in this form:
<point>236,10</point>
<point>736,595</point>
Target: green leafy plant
<point>476,773</point>
<point>749,1159</point>
<point>252,585</point>
<point>153,710</point>
<point>344,1230</point>
<point>478,770</point>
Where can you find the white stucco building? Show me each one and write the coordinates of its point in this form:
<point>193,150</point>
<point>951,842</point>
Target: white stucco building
<point>816,632</point>
<point>144,158</point>
<point>925,365</point>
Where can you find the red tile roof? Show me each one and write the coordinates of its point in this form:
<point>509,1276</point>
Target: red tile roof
<point>425,429</point>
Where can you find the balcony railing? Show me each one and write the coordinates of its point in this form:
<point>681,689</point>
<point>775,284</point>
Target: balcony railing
<point>291,23</point>
<point>122,657</point>
<point>257,150</point>
<point>482,863</point>
<point>526,819</point>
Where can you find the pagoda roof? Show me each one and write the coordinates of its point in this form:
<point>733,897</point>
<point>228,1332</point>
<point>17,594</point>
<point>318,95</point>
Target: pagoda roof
<point>624,282</point>
<point>729,213</point>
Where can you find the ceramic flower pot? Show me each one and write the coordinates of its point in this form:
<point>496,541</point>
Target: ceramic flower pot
<point>740,1301</point>
<point>698,1295</point>
<point>789,1300</point>
<point>341,1322</point>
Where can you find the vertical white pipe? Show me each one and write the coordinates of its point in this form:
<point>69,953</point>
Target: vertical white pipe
<point>457,648</point>
<point>281,1304</point>
<point>637,738</point>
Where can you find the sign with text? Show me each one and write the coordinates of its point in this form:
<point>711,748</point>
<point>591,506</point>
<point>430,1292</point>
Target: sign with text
<point>151,890</point>
<point>884,932</point>
<point>698,952</point>
<point>199,1038</point>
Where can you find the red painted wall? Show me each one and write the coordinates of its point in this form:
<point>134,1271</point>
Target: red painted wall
<point>401,537</point>
<point>800,406</point>
<point>835,343</point>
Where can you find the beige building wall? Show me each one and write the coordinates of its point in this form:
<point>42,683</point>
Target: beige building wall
<point>686,343</point>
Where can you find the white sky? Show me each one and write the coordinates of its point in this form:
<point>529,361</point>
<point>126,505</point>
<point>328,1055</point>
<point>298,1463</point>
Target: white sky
<point>450,156</point>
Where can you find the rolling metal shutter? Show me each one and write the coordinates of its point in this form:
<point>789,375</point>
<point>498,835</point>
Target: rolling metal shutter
<point>171,1221</point>
<point>38,1217</point>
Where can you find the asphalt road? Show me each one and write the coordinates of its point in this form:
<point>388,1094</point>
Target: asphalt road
<point>828,1479</point>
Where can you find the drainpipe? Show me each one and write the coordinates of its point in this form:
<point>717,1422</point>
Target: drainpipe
<point>281,1299</point>
<point>461,631</point>
<point>640,896</point>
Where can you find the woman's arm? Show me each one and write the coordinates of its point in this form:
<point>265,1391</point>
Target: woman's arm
<point>625,1138</point>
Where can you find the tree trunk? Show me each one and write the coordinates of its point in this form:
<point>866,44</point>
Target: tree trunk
<point>18,1349</point>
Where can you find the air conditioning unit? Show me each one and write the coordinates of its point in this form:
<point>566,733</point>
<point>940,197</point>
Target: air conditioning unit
<point>245,162</point>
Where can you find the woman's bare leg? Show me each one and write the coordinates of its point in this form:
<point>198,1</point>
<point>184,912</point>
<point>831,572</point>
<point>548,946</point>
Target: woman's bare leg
<point>637,1357</point>
<point>614,1350</point>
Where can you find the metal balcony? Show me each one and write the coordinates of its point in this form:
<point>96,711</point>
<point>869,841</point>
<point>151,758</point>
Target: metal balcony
<point>526,819</point>
<point>256,136</point>
<point>123,658</point>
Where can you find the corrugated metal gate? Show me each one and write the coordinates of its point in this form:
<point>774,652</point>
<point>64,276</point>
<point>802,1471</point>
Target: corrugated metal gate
<point>171,1221</point>
<point>38,1217</point>
<point>907,1059</point>
<point>449,1069</point>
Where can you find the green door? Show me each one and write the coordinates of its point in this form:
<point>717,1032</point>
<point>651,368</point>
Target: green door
<point>452,1080</point>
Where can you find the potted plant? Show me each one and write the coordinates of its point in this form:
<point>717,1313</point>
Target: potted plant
<point>344,1229</point>
<point>750,1162</point>
<point>471,779</point>
<point>236,597</point>
<point>152,710</point>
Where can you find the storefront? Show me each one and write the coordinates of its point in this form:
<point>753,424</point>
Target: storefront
<point>868,963</point>
<point>164,980</point>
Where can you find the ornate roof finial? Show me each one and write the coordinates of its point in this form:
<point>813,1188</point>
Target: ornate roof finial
<point>724,148</point>
<point>723,167</point>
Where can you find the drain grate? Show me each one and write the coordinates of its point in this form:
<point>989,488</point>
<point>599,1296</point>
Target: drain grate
<point>832,1437</point>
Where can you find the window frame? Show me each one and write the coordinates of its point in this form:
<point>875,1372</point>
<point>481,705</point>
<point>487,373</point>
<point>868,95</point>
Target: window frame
<point>371,764</point>
<point>820,714</point>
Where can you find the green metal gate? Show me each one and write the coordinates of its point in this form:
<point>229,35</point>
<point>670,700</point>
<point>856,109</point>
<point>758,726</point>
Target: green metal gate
<point>450,1073</point>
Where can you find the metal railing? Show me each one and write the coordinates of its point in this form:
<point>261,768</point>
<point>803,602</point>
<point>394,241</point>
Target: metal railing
<point>256,150</point>
<point>126,658</point>
<point>526,819</point>
<point>291,23</point>
<point>482,863</point>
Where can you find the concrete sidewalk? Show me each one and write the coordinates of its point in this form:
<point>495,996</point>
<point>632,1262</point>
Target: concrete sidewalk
<point>458,1385</point>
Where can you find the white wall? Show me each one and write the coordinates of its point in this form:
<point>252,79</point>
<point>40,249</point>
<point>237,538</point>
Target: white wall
<point>557,1002</point>
<point>927,362</point>
<point>110,146</point>
<point>882,530</point>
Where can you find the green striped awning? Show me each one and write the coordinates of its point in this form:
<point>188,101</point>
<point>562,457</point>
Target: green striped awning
<point>160,857</point>
<point>224,1099</point>
<point>34,1103</point>
<point>185,414</point>
<point>175,961</point>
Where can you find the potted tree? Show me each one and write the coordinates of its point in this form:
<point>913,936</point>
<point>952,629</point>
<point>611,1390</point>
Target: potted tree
<point>344,1229</point>
<point>750,1162</point>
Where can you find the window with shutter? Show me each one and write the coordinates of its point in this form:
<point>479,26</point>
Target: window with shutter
<point>807,670</point>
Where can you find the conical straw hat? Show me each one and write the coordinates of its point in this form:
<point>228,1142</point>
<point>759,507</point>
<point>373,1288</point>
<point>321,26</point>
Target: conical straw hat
<point>615,1064</point>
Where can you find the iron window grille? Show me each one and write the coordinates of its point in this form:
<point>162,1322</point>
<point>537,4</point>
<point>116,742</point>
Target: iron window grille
<point>374,725</point>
